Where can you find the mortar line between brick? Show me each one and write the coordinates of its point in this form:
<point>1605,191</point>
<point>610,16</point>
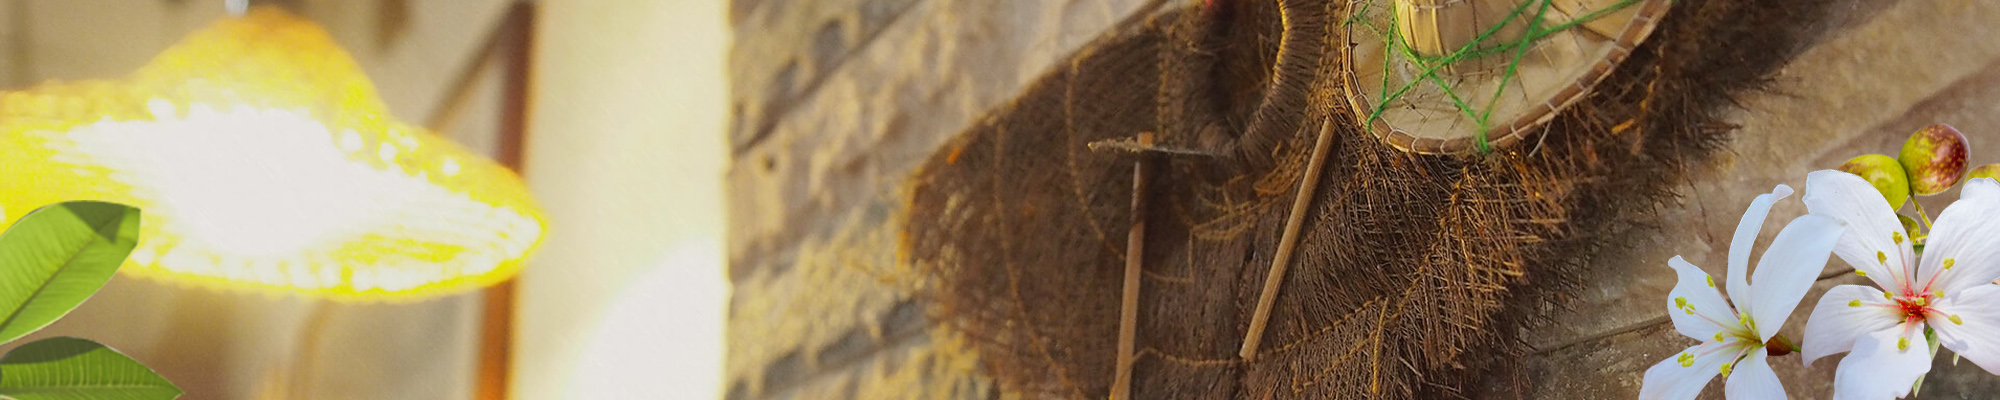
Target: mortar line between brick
<point>785,107</point>
<point>791,237</point>
<point>890,342</point>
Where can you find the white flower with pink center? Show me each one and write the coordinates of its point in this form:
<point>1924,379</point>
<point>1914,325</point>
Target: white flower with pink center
<point>1949,290</point>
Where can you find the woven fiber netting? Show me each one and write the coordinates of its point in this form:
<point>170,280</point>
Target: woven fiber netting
<point>1413,272</point>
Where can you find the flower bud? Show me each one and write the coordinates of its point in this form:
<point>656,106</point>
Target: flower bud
<point>1883,172</point>
<point>1984,171</point>
<point>1934,158</point>
<point>1779,345</point>
<point>1917,234</point>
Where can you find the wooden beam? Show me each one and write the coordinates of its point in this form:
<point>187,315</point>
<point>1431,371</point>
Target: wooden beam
<point>512,43</point>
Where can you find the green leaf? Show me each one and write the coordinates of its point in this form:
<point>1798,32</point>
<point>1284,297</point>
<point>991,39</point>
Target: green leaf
<point>66,368</point>
<point>56,257</point>
<point>1930,335</point>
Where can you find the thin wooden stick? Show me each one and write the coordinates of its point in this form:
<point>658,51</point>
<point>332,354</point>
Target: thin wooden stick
<point>1307,185</point>
<point>1128,311</point>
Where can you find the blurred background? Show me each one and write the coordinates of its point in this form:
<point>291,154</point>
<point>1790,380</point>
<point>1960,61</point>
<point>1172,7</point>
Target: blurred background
<point>624,299</point>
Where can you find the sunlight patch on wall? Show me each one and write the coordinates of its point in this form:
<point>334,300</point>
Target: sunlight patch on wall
<point>666,331</point>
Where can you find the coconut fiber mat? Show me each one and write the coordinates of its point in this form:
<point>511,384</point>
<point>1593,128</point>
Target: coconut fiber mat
<point>1414,274</point>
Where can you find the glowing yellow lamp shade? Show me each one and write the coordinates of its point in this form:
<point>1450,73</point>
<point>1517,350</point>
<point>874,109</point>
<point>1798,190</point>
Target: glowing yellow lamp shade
<point>263,158</point>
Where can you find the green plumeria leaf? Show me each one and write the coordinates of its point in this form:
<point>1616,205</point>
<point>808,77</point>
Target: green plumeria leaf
<point>66,368</point>
<point>56,257</point>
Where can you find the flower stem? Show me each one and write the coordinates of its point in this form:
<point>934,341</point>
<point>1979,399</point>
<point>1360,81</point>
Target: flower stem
<point>1921,215</point>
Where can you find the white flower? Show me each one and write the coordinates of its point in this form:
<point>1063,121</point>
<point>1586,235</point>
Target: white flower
<point>1949,290</point>
<point>1733,338</point>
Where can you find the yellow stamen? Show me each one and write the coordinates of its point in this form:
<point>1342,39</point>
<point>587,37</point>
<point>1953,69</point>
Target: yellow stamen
<point>1860,272</point>
<point>1686,359</point>
<point>1898,236</point>
<point>1949,261</point>
<point>1902,344</point>
<point>1711,281</point>
<point>1854,303</point>
<point>1954,321</point>
<point>1938,293</point>
<point>1718,335</point>
<point>1887,296</point>
<point>1726,367</point>
<point>1881,258</point>
<point>1921,301</point>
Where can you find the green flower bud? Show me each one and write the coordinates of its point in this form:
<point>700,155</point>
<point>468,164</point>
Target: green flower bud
<point>1917,234</point>
<point>1883,172</point>
<point>1934,158</point>
<point>1984,171</point>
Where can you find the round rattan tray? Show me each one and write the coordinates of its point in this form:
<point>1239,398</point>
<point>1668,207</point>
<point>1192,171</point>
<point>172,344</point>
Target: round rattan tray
<point>1471,76</point>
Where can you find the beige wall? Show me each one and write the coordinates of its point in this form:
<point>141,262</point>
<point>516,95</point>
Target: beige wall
<point>626,298</point>
<point>93,39</point>
<point>8,27</point>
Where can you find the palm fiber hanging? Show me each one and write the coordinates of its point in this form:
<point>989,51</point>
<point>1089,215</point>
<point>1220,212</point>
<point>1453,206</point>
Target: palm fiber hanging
<point>1413,272</point>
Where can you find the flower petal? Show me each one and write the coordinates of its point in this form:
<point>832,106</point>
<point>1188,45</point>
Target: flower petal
<point>1968,236</point>
<point>1843,314</point>
<point>1787,269</point>
<point>1697,309</point>
<point>1669,379</point>
<point>1753,378</point>
<point>1884,365</point>
<point>1869,243</point>
<point>1969,324</point>
<point>1746,238</point>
